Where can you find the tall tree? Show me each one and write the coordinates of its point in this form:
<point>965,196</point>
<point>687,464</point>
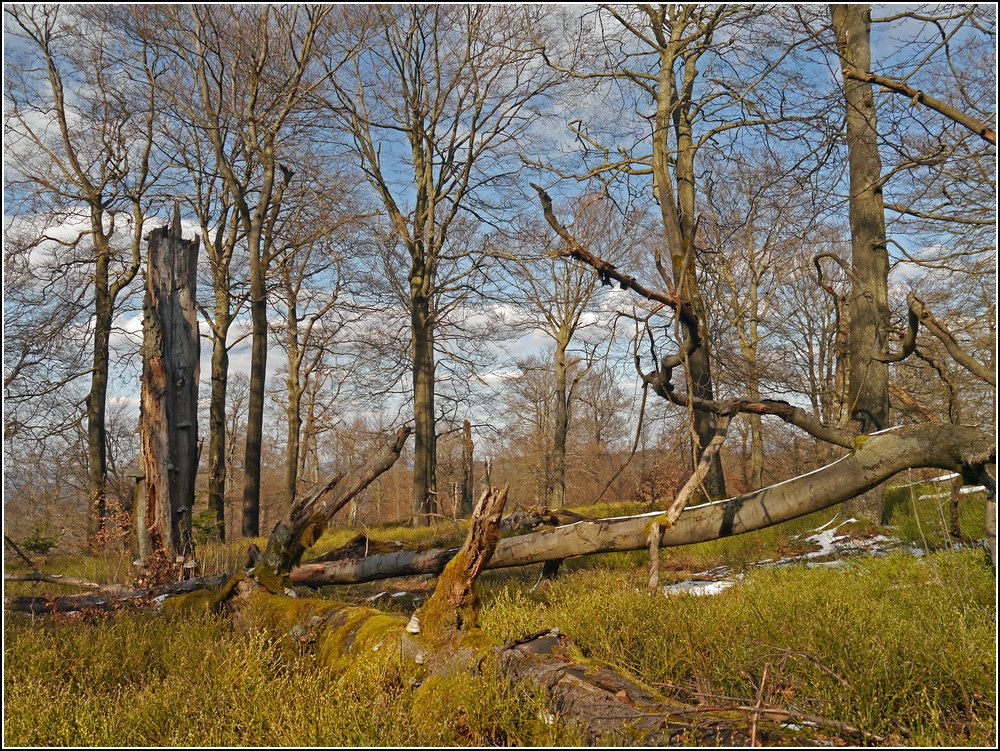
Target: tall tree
<point>243,75</point>
<point>690,94</point>
<point>868,377</point>
<point>433,102</point>
<point>79,115</point>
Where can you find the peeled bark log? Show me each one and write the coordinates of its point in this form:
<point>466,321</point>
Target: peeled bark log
<point>875,459</point>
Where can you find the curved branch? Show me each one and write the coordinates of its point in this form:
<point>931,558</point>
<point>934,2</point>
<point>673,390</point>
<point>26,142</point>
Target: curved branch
<point>789,413</point>
<point>963,358</point>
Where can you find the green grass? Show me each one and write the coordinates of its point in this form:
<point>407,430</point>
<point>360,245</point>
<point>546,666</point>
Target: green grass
<point>911,639</point>
<point>145,680</point>
<point>902,647</point>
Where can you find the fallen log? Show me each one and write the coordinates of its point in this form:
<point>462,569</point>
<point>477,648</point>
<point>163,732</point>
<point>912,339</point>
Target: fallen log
<point>875,459</point>
<point>115,599</point>
<point>67,581</point>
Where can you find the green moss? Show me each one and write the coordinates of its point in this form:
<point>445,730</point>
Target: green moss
<point>358,630</point>
<point>268,579</point>
<point>202,601</point>
<point>859,442</point>
<point>281,614</point>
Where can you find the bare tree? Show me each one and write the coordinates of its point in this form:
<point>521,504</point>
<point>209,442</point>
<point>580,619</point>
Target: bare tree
<point>451,89</point>
<point>559,295</point>
<point>79,117</point>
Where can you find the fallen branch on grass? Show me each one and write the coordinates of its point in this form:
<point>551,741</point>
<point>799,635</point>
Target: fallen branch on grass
<point>69,581</point>
<point>875,459</point>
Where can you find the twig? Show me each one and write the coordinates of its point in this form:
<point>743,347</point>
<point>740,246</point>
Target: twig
<point>756,715</point>
<point>782,714</point>
<point>813,660</point>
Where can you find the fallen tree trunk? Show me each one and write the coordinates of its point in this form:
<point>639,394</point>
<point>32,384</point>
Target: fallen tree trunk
<point>875,459</point>
<point>114,598</point>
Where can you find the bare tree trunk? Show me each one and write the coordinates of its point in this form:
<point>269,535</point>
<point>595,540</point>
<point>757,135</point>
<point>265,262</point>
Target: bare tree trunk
<point>255,406</point>
<point>294,414</point>
<point>561,427</point>
<point>217,436</point>
<point>169,414</point>
<point>467,478</point>
<point>425,440</point>
<point>868,378</point>
<point>97,457</point>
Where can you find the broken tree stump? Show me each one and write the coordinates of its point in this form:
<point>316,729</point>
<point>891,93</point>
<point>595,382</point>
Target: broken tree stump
<point>168,418</point>
<point>307,519</point>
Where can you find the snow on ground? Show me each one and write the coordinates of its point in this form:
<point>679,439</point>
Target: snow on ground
<point>718,579</point>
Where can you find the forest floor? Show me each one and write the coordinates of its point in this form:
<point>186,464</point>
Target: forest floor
<point>891,631</point>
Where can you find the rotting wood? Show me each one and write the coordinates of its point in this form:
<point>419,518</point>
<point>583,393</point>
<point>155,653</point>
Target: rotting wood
<point>875,459</point>
<point>168,417</point>
<point>309,516</point>
<point>453,608</point>
<point>111,600</point>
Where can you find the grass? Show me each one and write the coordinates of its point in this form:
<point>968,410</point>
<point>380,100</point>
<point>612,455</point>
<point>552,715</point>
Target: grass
<point>884,642</point>
<point>902,647</point>
<point>149,681</point>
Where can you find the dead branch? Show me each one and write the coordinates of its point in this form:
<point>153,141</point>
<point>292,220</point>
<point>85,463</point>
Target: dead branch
<point>981,129</point>
<point>938,329</point>
<point>607,271</point>
<point>37,605</point>
<point>787,412</point>
<point>19,553</point>
<point>307,519</point>
<point>69,581</point>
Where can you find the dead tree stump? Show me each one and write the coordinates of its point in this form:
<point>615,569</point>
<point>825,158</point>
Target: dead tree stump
<point>168,420</point>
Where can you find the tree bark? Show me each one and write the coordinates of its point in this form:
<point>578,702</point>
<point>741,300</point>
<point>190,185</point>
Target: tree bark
<point>876,459</point>
<point>255,404</point>
<point>425,439</point>
<point>97,455</point>
<point>467,463</point>
<point>868,378</point>
<point>169,399</point>
<point>561,426</point>
<point>217,436</point>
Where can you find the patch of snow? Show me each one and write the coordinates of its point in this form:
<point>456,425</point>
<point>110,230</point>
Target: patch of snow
<point>697,588</point>
<point>964,491</point>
